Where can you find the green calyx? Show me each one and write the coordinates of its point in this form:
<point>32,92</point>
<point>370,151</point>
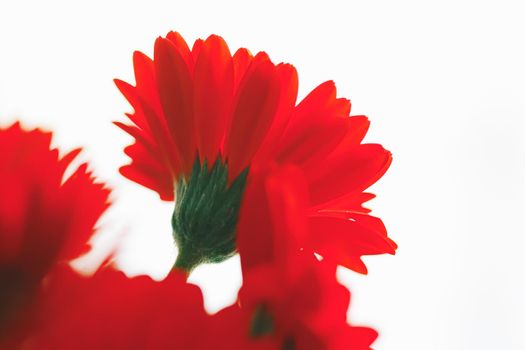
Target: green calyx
<point>206,212</point>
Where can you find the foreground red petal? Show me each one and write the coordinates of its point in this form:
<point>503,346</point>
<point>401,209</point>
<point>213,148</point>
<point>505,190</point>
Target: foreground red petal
<point>112,311</point>
<point>280,195</point>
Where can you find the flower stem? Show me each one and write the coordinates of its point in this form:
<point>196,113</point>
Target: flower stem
<point>186,262</point>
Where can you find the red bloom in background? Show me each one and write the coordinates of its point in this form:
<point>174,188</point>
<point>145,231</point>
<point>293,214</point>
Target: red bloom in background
<point>289,299</point>
<point>112,311</point>
<point>44,218</point>
<point>203,119</point>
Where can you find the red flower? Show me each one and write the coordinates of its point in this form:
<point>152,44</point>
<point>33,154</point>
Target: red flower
<point>274,313</point>
<point>204,119</point>
<point>112,311</point>
<point>44,217</point>
<point>289,299</point>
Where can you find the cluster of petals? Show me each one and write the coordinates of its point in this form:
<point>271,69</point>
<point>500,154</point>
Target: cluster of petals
<point>206,104</point>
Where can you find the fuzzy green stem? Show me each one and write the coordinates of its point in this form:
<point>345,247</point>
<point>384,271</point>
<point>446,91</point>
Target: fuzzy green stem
<point>187,260</point>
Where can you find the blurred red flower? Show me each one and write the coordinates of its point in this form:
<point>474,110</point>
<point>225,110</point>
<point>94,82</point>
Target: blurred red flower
<point>289,299</point>
<point>203,118</point>
<point>45,218</point>
<point>112,311</point>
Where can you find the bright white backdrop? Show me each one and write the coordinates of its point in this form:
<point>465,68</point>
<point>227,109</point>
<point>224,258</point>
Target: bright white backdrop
<point>442,82</point>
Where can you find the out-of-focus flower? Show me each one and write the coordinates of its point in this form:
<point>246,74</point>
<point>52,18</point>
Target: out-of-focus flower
<point>112,311</point>
<point>45,219</point>
<point>203,119</point>
<point>289,299</point>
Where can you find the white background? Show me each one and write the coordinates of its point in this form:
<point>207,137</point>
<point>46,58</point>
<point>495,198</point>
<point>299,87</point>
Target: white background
<point>442,82</point>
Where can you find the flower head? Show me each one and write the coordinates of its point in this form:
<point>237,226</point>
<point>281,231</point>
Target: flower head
<point>289,299</point>
<point>45,218</point>
<point>204,119</point>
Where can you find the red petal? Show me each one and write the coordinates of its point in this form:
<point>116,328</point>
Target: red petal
<point>196,49</point>
<point>349,203</point>
<point>255,241</point>
<point>354,263</point>
<point>182,47</point>
<point>144,176</point>
<point>345,240</point>
<point>354,338</point>
<point>68,158</point>
<point>289,87</point>
<point>241,61</point>
<point>272,225</point>
<point>254,112</point>
<point>138,134</point>
<point>151,160</point>
<point>213,91</point>
<point>288,196</point>
<point>349,172</point>
<point>317,100</point>
<point>317,125</point>
<point>357,129</point>
<point>82,192</point>
<point>176,95</point>
<point>78,312</point>
<point>313,141</point>
<point>145,78</point>
<point>131,94</point>
<point>153,133</point>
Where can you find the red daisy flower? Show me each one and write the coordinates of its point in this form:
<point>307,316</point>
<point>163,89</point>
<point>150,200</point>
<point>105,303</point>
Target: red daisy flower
<point>289,299</point>
<point>44,217</point>
<point>112,311</point>
<point>203,118</point>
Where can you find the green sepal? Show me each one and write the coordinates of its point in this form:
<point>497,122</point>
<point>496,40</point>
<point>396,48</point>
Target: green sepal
<point>206,212</point>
